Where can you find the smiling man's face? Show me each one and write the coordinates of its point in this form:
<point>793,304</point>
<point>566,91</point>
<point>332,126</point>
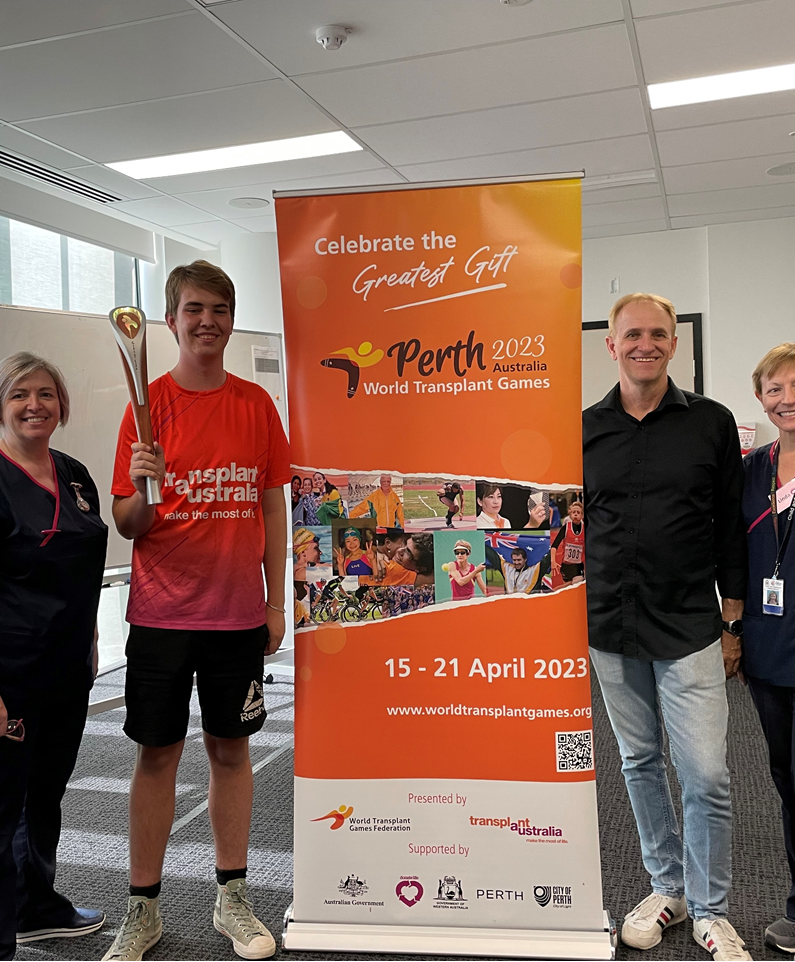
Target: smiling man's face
<point>644,343</point>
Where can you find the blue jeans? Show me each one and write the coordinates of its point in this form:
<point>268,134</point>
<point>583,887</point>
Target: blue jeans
<point>689,696</point>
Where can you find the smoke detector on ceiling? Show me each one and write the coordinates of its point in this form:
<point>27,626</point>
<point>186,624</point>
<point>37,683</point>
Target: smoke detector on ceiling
<point>248,203</point>
<point>515,3</point>
<point>332,36</point>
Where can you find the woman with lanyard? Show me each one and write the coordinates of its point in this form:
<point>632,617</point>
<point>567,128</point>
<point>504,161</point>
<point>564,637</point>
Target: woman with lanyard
<point>769,618</point>
<point>52,557</point>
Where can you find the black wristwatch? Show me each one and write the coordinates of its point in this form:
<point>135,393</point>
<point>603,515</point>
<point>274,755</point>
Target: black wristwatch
<point>734,627</point>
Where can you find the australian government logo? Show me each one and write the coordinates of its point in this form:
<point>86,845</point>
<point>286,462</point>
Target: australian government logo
<point>352,891</point>
<point>450,894</point>
<point>556,896</point>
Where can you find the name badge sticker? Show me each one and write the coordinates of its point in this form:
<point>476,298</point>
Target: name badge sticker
<point>773,596</point>
<point>784,496</point>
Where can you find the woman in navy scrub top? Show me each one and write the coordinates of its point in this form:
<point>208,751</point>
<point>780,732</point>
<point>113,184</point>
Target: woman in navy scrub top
<point>769,639</point>
<point>52,556</point>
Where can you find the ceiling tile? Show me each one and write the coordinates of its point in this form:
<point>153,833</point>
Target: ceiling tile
<point>214,231</point>
<point>724,111</point>
<point>217,201</point>
<point>724,201</point>
<point>573,120</point>
<point>622,212</point>
<point>166,211</point>
<point>740,36</point>
<point>240,115</point>
<point>650,8</point>
<point>596,158</point>
<point>732,217</point>
<point>266,224</point>
<point>725,174</point>
<point>265,173</point>
<point>24,21</point>
<point>285,33</point>
<point>743,138</point>
<point>539,69</point>
<point>605,195</point>
<point>134,63</point>
<point>31,147</point>
<point>615,230</point>
<point>113,181</point>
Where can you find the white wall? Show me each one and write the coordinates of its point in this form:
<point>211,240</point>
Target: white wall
<point>740,277</point>
<point>252,261</point>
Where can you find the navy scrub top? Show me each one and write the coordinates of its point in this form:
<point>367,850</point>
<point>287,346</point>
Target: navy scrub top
<point>52,558</point>
<point>769,640</point>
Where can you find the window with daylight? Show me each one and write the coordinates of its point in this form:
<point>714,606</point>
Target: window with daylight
<point>39,268</point>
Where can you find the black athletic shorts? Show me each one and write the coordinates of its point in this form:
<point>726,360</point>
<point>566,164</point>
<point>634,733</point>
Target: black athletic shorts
<point>571,571</point>
<point>160,666</point>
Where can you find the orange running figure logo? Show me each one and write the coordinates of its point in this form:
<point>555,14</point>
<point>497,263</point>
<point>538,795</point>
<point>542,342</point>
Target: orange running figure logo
<point>353,361</point>
<point>339,815</point>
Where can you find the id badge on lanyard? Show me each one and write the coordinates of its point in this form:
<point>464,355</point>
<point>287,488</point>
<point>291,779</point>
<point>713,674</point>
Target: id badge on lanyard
<point>773,588</point>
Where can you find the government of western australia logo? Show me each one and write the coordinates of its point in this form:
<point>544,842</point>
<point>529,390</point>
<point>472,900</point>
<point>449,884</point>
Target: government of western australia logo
<point>351,361</point>
<point>353,886</point>
<point>450,894</point>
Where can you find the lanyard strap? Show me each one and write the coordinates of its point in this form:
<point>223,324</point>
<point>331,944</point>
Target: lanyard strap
<point>782,544</point>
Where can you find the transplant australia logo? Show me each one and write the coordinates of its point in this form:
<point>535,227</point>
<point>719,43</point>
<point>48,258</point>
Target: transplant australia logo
<point>337,817</point>
<point>353,886</point>
<point>409,890</point>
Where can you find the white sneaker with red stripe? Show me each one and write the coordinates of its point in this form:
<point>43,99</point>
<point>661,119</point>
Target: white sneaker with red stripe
<point>645,924</point>
<point>718,937</point>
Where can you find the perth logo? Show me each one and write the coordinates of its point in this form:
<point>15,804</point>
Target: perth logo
<point>408,890</point>
<point>353,886</point>
<point>254,705</point>
<point>351,361</point>
<point>337,817</point>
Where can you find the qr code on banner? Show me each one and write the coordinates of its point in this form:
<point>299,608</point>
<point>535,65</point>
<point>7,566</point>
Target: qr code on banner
<point>574,751</point>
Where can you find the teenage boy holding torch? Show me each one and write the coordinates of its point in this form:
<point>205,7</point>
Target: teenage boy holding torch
<point>197,600</point>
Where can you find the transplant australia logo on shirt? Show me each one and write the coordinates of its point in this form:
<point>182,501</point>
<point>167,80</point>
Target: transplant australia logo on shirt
<point>226,483</point>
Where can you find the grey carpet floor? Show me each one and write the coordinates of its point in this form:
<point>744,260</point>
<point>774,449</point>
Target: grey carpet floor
<point>93,851</point>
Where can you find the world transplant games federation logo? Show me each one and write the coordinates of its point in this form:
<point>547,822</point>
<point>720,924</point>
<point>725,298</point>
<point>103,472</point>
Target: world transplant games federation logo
<point>337,817</point>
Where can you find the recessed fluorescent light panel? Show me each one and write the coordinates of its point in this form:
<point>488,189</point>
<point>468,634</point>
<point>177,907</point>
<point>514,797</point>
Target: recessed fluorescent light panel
<point>723,86</point>
<point>244,155</point>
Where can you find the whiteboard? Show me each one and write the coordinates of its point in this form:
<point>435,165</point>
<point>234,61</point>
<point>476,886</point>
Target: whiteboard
<point>83,347</point>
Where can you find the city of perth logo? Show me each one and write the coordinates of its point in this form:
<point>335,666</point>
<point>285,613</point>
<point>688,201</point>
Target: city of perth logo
<point>337,817</point>
<point>450,894</point>
<point>353,886</point>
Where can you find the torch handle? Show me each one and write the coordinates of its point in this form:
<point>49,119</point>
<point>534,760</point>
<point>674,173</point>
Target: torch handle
<point>143,419</point>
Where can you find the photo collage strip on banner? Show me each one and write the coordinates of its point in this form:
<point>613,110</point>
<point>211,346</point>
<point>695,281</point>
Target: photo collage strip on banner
<point>376,545</point>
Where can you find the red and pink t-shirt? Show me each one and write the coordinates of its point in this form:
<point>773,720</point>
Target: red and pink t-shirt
<point>200,564</point>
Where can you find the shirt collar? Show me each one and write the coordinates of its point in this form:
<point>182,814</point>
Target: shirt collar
<point>672,397</point>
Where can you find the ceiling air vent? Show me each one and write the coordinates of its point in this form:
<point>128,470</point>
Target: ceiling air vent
<point>22,166</point>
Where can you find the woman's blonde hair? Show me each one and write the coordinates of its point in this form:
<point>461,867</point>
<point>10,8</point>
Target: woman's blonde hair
<point>17,366</point>
<point>772,362</point>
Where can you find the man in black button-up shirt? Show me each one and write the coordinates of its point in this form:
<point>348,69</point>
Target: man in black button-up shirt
<point>663,489</point>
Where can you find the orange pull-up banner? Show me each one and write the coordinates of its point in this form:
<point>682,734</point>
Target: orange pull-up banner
<point>443,713</point>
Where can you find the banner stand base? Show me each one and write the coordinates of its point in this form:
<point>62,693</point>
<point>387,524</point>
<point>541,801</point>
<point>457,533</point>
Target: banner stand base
<point>438,940</point>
